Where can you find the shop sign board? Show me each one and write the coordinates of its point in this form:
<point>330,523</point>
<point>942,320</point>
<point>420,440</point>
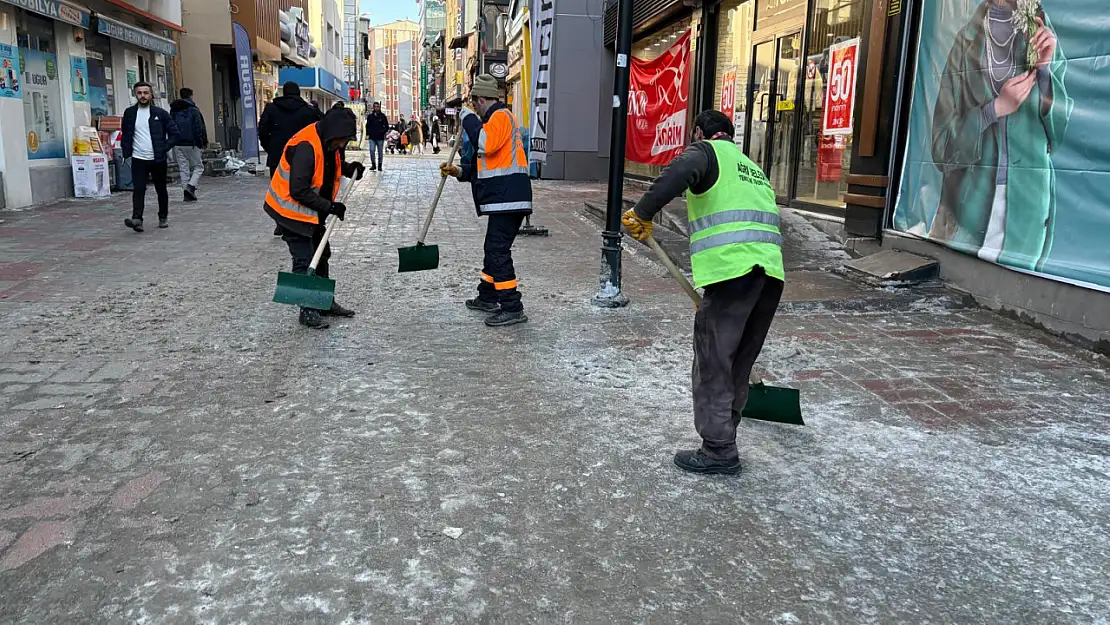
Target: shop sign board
<point>134,36</point>
<point>840,94</point>
<point>55,9</point>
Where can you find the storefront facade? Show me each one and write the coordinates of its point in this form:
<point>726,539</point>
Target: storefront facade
<point>316,84</point>
<point>766,64</point>
<point>66,65</point>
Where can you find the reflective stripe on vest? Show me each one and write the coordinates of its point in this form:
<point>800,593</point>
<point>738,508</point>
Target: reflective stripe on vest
<point>287,205</point>
<point>734,216</point>
<point>505,207</point>
<point>735,236</point>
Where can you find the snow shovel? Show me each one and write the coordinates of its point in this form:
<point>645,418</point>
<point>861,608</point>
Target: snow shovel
<point>422,257</point>
<point>308,290</point>
<point>765,403</point>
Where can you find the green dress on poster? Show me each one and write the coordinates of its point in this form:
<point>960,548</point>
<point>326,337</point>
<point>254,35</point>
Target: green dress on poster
<point>966,149</point>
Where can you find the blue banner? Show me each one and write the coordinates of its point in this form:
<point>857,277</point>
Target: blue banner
<point>246,89</point>
<point>1007,157</point>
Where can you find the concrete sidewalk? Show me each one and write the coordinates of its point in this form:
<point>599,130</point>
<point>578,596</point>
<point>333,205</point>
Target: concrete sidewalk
<point>174,448</point>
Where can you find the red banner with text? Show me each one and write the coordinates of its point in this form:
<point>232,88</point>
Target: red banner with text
<point>657,105</point>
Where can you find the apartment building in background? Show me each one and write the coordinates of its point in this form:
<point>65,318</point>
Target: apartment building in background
<point>395,52</point>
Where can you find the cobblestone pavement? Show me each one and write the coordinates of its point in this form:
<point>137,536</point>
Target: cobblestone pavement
<point>174,448</point>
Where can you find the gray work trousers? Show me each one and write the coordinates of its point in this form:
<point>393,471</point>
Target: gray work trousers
<point>189,164</point>
<point>729,329</point>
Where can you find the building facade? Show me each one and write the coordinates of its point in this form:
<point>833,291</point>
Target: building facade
<point>69,64</point>
<point>395,72</point>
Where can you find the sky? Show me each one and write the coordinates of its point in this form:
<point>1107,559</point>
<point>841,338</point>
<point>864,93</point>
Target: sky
<point>385,11</point>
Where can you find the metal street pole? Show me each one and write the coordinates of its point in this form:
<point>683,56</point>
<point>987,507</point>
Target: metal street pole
<point>609,293</point>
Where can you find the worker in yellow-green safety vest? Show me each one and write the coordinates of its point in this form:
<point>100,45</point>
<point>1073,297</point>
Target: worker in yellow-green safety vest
<point>736,255</point>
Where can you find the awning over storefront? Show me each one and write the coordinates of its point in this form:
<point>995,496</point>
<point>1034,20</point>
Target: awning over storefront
<point>55,9</point>
<point>135,36</point>
<point>315,78</point>
<point>460,42</point>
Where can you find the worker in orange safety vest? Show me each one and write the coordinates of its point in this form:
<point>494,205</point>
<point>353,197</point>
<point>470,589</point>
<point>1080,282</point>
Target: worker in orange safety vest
<point>498,175</point>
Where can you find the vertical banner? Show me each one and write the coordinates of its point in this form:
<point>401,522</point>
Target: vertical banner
<point>542,41</point>
<point>246,89</point>
<point>423,86</point>
<point>840,97</point>
<point>1006,152</point>
<point>728,92</point>
<point>10,74</point>
<point>79,78</point>
<point>657,105</point>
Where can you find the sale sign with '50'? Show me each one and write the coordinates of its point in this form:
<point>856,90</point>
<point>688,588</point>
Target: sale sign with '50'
<point>840,88</point>
<point>728,92</point>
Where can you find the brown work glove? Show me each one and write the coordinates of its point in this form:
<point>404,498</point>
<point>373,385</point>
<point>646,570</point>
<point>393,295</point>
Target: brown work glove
<point>447,169</point>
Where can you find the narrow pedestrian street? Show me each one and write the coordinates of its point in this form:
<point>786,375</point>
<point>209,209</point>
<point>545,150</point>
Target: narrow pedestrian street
<point>175,448</point>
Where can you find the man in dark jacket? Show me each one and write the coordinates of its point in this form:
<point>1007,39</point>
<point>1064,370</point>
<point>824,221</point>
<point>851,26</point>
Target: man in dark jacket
<point>148,134</point>
<point>303,193</point>
<point>281,119</point>
<point>377,125</point>
<point>192,138</point>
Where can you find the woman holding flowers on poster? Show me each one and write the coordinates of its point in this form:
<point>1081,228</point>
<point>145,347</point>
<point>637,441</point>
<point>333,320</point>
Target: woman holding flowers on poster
<point>1001,111</point>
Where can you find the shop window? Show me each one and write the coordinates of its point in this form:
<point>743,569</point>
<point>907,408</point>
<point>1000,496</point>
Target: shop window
<point>734,62</point>
<point>647,49</point>
<point>825,161</point>
<point>42,92</point>
<point>102,95</point>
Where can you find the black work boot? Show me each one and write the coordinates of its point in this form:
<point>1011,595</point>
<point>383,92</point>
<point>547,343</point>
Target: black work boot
<point>505,318</point>
<point>312,319</point>
<point>277,231</point>
<point>163,222</point>
<point>696,461</point>
<point>134,224</point>
<point>337,311</point>
<point>190,193</point>
<point>482,305</point>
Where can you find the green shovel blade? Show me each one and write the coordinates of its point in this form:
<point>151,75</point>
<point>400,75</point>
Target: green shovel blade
<point>773,403</point>
<point>304,290</point>
<point>419,257</point>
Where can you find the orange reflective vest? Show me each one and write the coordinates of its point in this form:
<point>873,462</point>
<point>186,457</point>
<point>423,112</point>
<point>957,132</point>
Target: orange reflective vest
<point>278,197</point>
<point>500,178</point>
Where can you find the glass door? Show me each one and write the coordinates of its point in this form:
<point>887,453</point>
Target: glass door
<point>760,103</point>
<point>772,118</point>
<point>787,68</point>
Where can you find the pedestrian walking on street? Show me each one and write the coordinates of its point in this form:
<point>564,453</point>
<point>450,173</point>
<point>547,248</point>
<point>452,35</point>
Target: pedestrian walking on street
<point>425,133</point>
<point>377,126</point>
<point>302,195</point>
<point>498,174</point>
<point>736,255</point>
<point>281,119</point>
<point>192,138</point>
<point>416,137</point>
<point>148,132</point>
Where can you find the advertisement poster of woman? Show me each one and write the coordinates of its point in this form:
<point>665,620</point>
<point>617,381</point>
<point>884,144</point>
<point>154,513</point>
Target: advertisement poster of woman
<point>1004,158</point>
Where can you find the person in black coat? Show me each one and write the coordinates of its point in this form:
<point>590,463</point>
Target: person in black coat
<point>377,127</point>
<point>281,119</point>
<point>148,135</point>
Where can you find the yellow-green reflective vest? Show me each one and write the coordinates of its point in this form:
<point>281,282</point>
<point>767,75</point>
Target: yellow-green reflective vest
<point>734,226</point>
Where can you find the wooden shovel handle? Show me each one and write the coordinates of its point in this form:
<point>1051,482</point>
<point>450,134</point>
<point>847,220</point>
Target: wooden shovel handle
<point>332,221</point>
<point>675,272</point>
<point>439,191</point>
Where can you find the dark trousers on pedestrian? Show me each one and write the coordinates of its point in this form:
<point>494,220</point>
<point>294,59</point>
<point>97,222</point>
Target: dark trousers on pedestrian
<point>155,171</point>
<point>498,274</point>
<point>729,329</point>
<point>302,248</point>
